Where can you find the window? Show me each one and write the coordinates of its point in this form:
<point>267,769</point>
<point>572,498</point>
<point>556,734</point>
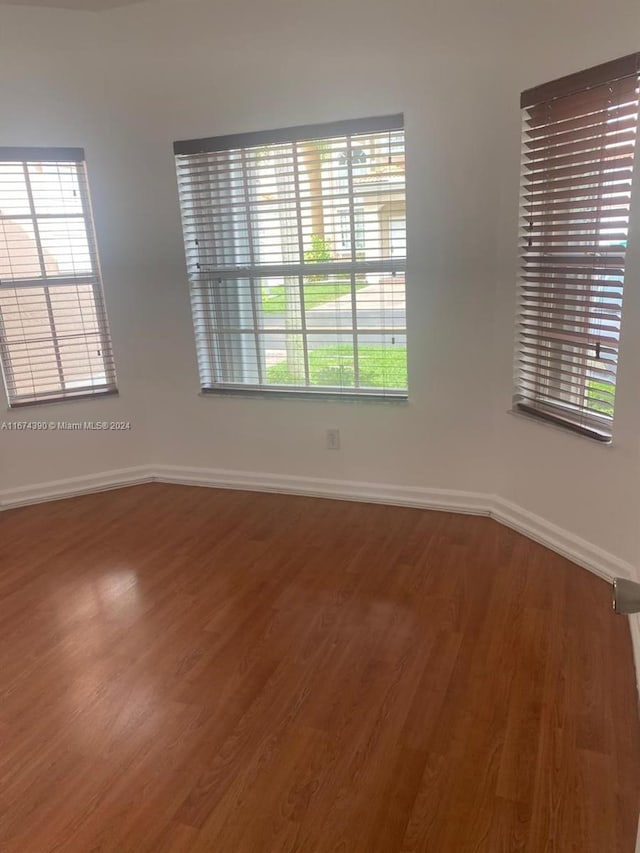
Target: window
<point>579,136</point>
<point>295,246</point>
<point>54,338</point>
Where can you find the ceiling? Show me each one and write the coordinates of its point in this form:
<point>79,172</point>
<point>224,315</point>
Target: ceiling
<point>86,5</point>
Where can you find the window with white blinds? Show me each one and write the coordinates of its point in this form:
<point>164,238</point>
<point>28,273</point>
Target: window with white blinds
<point>54,337</point>
<point>579,139</point>
<point>295,243</point>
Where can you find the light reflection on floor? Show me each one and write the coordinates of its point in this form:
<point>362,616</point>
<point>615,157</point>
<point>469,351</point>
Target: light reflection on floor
<point>95,666</point>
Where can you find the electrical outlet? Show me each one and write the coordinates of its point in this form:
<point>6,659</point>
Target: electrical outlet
<point>333,439</point>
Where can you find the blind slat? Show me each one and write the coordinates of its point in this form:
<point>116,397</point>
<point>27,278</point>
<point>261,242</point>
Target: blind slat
<point>586,211</point>
<point>609,113</point>
<point>553,158</point>
<point>541,367</point>
<point>548,182</point>
<point>601,127</point>
<point>598,143</point>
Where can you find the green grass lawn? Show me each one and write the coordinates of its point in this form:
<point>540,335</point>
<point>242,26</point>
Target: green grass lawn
<point>599,397</point>
<point>316,293</point>
<point>380,367</point>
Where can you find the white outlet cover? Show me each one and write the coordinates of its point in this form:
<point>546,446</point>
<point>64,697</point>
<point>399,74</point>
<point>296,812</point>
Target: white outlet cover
<point>333,439</point>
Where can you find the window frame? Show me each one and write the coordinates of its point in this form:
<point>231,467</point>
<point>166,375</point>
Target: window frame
<point>46,283</point>
<point>255,275</point>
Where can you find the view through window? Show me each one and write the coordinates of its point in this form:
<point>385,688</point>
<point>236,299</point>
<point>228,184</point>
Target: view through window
<point>296,251</point>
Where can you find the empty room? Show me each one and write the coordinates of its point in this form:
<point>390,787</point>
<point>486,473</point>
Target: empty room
<point>319,426</point>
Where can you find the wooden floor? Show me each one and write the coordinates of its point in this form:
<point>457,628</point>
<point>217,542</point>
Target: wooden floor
<point>184,669</point>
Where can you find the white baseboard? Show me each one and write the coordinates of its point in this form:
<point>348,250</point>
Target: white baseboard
<point>539,529</point>
<point>74,486</point>
<point>471,503</point>
<point>573,547</point>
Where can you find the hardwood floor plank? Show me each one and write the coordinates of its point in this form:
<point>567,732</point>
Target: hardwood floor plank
<point>522,736</point>
<point>186,669</point>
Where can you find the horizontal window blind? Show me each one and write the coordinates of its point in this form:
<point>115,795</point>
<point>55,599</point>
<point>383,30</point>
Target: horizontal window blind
<point>579,137</point>
<point>295,243</point>
<point>54,336</point>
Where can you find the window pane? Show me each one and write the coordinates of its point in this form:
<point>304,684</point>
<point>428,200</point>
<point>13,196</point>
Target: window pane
<point>55,188</point>
<point>19,254</point>
<point>272,204</point>
<point>382,361</point>
<point>332,361</point>
<point>235,356</point>
<point>65,246</point>
<point>381,302</point>
<point>285,359</point>
<point>279,302</point>
<point>79,336</point>
<point>27,339</point>
<point>14,198</point>
<point>328,301</point>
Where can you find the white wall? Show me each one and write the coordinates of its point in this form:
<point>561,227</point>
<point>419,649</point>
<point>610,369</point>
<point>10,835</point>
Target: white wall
<point>49,96</point>
<point>127,83</point>
<point>590,489</point>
